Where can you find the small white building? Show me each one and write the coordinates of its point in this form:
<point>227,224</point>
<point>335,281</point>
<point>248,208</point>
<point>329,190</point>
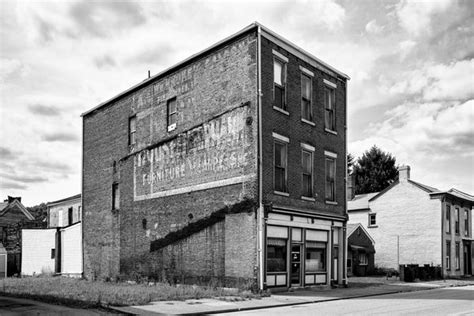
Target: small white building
<point>58,248</point>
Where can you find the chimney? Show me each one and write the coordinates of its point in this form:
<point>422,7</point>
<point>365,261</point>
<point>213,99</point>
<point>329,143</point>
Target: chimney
<point>403,173</point>
<point>350,187</point>
<point>13,198</point>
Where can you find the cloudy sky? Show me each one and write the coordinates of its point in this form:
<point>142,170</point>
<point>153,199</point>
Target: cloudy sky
<point>411,65</point>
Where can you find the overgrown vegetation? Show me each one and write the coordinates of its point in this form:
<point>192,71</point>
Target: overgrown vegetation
<point>79,292</point>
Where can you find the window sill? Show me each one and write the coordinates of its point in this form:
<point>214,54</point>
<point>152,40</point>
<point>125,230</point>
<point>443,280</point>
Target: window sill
<point>331,202</point>
<point>281,193</point>
<point>281,110</point>
<point>308,122</point>
<point>306,198</point>
<point>330,131</point>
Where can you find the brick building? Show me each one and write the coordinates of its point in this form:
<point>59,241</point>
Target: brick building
<point>228,166</point>
<point>412,223</point>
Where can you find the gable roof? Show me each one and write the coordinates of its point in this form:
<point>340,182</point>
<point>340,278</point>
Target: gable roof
<point>20,206</point>
<point>419,185</point>
<point>360,202</point>
<point>351,228</point>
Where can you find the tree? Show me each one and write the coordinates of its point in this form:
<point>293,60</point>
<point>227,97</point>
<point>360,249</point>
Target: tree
<point>38,211</point>
<point>350,163</point>
<point>374,171</point>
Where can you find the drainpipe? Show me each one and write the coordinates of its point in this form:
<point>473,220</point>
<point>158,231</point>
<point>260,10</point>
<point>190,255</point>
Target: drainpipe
<point>260,220</point>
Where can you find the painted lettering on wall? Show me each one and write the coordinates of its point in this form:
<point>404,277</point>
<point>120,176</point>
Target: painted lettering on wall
<point>216,150</point>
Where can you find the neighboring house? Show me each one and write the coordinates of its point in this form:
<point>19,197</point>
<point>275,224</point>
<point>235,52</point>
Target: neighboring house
<point>413,223</point>
<point>360,251</point>
<point>229,166</point>
<point>64,212</point>
<point>13,218</point>
<point>57,249</point>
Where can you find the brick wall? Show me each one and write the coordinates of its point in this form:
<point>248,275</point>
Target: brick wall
<point>216,89</point>
<point>298,132</point>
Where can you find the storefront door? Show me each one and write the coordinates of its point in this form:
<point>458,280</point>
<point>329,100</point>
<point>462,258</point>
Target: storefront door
<point>296,265</point>
<point>467,258</point>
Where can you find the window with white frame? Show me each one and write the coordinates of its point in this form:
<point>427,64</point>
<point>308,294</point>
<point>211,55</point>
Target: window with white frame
<point>306,97</point>
<point>330,177</point>
<point>448,254</point>
<point>172,115</point>
<point>279,83</point>
<point>363,260</point>
<point>280,162</point>
<point>132,129</point>
<point>307,168</point>
<point>456,220</point>
<point>448,219</point>
<point>372,220</point>
<point>315,260</point>
<point>330,105</point>
<point>466,223</point>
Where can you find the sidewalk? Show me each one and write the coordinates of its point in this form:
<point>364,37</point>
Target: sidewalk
<point>359,287</point>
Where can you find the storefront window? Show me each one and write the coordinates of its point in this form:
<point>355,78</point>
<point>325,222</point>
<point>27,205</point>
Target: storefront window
<point>276,255</point>
<point>315,256</point>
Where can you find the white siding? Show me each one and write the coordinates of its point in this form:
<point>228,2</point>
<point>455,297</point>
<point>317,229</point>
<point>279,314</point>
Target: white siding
<point>71,248</point>
<point>36,245</point>
<point>58,214</point>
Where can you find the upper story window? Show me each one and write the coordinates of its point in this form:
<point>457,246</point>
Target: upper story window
<point>115,196</point>
<point>307,167</point>
<point>456,220</point>
<point>330,176</point>
<point>132,129</point>
<point>70,218</point>
<point>279,81</point>
<point>280,162</point>
<point>330,105</point>
<point>306,97</point>
<point>448,219</point>
<point>448,254</point>
<point>372,220</point>
<point>172,114</point>
<point>466,223</point>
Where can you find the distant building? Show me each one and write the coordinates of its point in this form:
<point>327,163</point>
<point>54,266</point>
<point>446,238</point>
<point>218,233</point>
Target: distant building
<point>13,218</point>
<point>412,223</point>
<point>229,166</point>
<point>360,251</point>
<point>58,248</point>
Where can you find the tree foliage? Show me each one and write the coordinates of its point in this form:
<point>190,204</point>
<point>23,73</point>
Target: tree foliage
<point>38,211</point>
<point>374,171</point>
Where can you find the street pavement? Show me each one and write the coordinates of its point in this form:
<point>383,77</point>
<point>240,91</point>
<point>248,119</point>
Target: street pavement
<point>444,301</point>
<point>10,306</point>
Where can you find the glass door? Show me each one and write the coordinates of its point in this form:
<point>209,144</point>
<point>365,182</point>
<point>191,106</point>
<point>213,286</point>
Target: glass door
<point>296,265</point>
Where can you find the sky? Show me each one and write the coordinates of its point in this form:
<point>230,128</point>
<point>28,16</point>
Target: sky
<point>411,65</point>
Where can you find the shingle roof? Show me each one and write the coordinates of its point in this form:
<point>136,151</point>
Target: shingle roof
<point>360,201</point>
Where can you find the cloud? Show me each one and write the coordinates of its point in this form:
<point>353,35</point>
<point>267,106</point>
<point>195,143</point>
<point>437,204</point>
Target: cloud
<point>60,137</point>
<point>52,166</point>
<point>104,61</point>
<point>23,178</point>
<point>152,55</point>
<point>102,18</point>
<point>46,30</point>
<point>373,28</point>
<point>7,185</point>
<point>6,153</point>
<point>45,110</point>
<point>415,15</point>
<point>10,67</point>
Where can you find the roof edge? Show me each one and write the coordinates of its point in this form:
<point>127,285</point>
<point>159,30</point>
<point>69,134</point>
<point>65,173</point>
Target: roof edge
<point>365,231</point>
<point>74,197</point>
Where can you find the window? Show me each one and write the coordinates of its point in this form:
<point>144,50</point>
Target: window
<point>279,84</point>
<point>53,253</point>
<point>330,179</point>
<point>456,220</point>
<point>466,223</point>
<point>448,255</point>
<point>280,163</point>
<point>306,93</point>
<point>448,219</point>
<point>456,259</point>
<point>79,213</point>
<point>363,259</point>
<point>172,114</point>
<point>315,256</point>
<point>69,216</point>
<point>132,129</point>
<point>330,105</point>
<point>372,220</point>
<point>276,255</point>
<point>307,165</point>
<point>115,196</point>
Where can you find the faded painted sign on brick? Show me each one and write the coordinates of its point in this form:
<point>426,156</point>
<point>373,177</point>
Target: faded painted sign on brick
<point>210,155</point>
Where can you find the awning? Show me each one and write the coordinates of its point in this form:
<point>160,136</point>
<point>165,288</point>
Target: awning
<point>361,249</point>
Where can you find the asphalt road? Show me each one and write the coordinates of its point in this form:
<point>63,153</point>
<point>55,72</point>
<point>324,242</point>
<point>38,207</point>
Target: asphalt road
<point>10,306</point>
<point>447,301</point>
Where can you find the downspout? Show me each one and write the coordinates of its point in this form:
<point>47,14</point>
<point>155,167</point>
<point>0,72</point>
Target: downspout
<point>261,215</point>
<point>344,257</point>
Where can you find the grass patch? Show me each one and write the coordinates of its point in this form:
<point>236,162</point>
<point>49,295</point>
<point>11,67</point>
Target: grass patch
<point>83,293</point>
